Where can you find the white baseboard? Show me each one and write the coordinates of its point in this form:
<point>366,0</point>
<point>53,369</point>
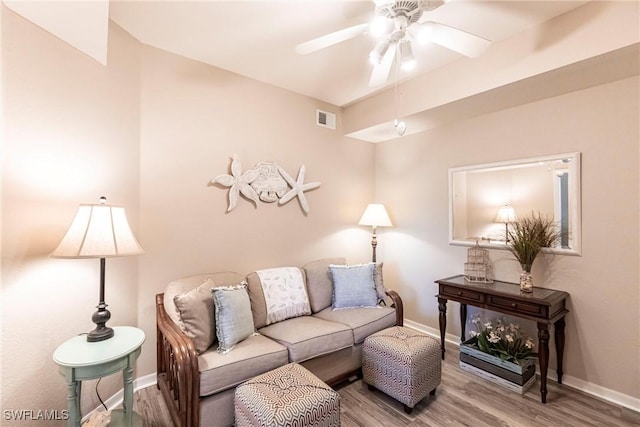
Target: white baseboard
<point>603,393</point>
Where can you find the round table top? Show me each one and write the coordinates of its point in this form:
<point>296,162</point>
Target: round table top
<point>78,352</point>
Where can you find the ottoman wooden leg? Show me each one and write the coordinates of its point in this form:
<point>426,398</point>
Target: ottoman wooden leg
<point>371,388</point>
<point>433,392</point>
<point>408,409</point>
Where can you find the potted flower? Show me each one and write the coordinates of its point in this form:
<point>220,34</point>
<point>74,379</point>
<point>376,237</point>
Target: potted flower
<point>501,352</point>
<point>527,237</point>
<point>503,340</point>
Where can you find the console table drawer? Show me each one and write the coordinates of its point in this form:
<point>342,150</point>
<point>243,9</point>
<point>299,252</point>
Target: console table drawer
<point>517,306</point>
<point>461,293</point>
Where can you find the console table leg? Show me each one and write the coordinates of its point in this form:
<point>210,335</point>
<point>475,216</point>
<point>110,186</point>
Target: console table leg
<point>543,358</point>
<point>463,321</point>
<point>442,320</point>
<point>559,341</point>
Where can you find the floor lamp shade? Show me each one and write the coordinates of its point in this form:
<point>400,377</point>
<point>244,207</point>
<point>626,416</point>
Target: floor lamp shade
<point>375,216</point>
<point>99,231</point>
<point>506,215</point>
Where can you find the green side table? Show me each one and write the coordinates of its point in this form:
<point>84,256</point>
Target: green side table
<point>81,360</point>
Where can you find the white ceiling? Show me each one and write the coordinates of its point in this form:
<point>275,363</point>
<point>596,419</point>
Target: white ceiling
<point>257,39</point>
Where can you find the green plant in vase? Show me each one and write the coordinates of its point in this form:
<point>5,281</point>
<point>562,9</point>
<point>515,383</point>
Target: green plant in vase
<point>527,237</point>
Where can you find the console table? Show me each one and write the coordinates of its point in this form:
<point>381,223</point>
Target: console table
<point>544,306</point>
<point>81,360</point>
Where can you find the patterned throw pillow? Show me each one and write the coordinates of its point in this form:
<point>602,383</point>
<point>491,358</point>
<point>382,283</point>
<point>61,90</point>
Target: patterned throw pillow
<point>285,293</point>
<point>354,286</point>
<point>234,321</point>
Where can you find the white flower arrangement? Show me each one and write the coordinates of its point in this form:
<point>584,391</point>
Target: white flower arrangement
<point>504,340</point>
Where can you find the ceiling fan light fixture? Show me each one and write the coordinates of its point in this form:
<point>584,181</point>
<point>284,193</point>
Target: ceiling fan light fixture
<point>378,52</point>
<point>379,26</point>
<point>407,61</point>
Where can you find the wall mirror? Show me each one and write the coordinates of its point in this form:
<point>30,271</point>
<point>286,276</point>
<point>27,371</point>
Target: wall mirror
<point>549,185</point>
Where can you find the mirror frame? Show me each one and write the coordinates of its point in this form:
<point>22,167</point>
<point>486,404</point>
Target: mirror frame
<point>575,209</point>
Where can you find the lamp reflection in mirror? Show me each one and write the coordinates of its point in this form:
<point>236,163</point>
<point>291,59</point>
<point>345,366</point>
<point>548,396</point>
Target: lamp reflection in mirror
<point>506,215</point>
<point>99,231</point>
<point>375,216</point>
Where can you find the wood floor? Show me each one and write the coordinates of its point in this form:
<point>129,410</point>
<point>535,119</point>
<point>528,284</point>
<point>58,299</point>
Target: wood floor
<point>462,399</point>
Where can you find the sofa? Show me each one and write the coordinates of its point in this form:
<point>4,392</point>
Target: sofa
<point>198,367</point>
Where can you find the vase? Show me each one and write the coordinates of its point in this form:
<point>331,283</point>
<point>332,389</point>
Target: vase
<point>526,281</point>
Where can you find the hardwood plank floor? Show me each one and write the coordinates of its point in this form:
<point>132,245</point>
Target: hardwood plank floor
<point>462,399</point>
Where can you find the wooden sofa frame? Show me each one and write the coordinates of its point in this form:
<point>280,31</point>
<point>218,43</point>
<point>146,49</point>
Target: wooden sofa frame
<point>177,365</point>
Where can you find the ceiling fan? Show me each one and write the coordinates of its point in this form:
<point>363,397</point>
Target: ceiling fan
<point>397,24</point>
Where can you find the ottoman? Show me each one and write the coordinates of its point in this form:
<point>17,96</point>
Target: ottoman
<point>402,363</point>
<point>286,396</point>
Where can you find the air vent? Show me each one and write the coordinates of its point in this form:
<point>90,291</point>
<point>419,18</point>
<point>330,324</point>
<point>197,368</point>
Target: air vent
<point>325,119</point>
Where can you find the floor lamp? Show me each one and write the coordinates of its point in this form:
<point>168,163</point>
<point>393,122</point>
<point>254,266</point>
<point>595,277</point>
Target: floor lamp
<point>99,231</point>
<point>375,216</point>
<point>506,214</point>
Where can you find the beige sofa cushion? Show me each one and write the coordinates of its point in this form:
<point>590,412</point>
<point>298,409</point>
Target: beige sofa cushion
<point>363,321</point>
<point>253,356</point>
<point>308,336</point>
<point>319,284</point>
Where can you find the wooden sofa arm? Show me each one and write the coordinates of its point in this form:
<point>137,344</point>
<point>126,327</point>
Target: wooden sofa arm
<point>177,370</point>
<point>397,304</point>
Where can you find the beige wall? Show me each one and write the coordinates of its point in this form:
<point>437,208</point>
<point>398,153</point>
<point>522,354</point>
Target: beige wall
<point>194,118</point>
<point>603,124</point>
<point>149,131</point>
<point>70,136</point>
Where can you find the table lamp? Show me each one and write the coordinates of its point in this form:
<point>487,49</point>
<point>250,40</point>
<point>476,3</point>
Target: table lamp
<point>99,231</point>
<point>506,214</point>
<point>376,216</point>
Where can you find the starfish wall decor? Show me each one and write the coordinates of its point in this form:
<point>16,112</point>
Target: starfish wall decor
<point>266,181</point>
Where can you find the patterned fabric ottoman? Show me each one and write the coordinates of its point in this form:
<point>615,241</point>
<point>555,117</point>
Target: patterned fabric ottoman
<point>286,396</point>
<point>403,363</point>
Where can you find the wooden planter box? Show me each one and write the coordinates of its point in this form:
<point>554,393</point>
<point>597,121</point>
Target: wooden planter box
<point>469,347</point>
<point>514,377</point>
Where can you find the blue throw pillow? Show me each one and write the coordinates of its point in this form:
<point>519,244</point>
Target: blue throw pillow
<point>234,321</point>
<point>353,286</point>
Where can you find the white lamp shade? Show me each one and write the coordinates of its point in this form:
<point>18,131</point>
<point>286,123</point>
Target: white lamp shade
<point>376,216</point>
<point>506,214</point>
<point>98,231</point>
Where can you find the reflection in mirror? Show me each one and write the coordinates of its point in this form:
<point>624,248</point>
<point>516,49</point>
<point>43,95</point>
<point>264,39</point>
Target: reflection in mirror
<point>484,199</point>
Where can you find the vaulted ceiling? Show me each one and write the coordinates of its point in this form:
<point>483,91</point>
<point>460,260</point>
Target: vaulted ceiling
<point>258,38</point>
<point>539,48</point>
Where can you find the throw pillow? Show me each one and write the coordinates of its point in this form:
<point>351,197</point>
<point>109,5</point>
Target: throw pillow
<point>285,294</point>
<point>353,286</point>
<point>234,321</point>
<point>196,313</point>
<point>380,289</point>
<point>319,284</point>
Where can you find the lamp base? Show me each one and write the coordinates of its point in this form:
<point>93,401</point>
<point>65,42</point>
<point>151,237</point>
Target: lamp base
<point>100,318</point>
<point>100,334</point>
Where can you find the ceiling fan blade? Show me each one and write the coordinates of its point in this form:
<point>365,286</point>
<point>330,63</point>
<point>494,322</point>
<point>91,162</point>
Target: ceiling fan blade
<point>457,40</point>
<point>330,39</point>
<point>380,73</point>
